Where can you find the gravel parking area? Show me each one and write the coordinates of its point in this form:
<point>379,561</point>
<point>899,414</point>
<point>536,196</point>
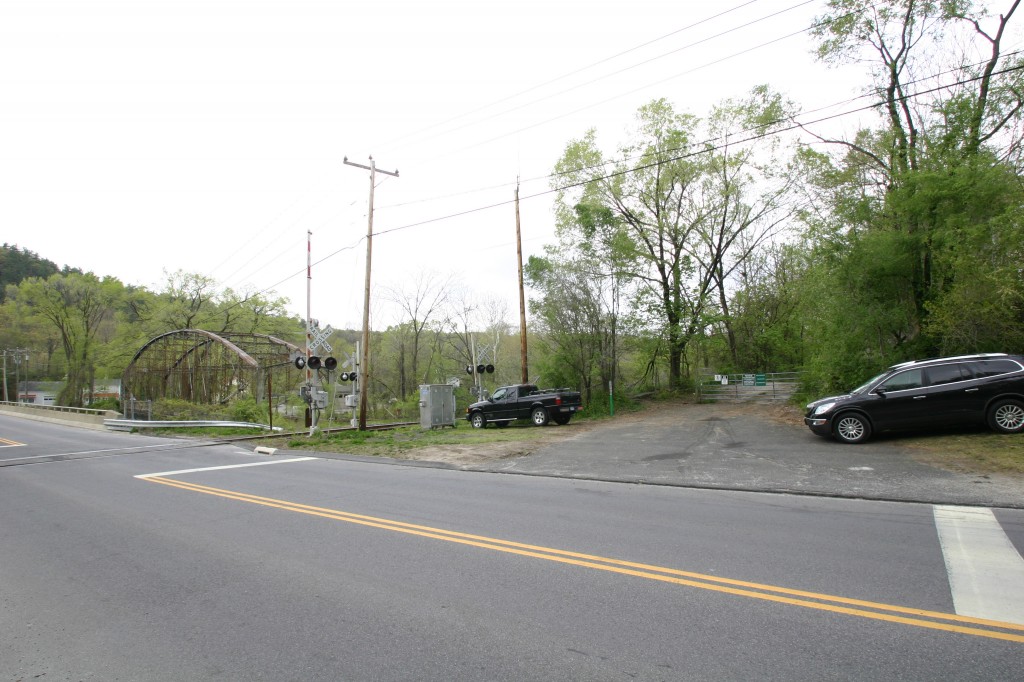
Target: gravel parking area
<point>738,447</point>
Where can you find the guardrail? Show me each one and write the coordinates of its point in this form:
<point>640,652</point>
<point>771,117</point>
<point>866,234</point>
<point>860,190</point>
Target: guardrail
<point>763,387</point>
<point>74,416</point>
<point>132,424</point>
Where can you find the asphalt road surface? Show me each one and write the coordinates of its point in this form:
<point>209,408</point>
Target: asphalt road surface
<point>126,557</point>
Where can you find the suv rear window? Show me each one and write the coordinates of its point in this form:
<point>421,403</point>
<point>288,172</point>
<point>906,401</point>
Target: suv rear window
<point>947,374</point>
<point>991,368</point>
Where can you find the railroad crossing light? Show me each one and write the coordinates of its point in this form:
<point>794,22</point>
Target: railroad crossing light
<point>300,363</point>
<point>469,369</point>
<point>343,376</point>
<point>330,364</point>
<point>314,362</point>
<point>490,369</point>
<point>480,369</point>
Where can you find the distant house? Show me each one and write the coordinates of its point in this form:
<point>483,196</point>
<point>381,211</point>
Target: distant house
<point>45,392</point>
<point>39,392</point>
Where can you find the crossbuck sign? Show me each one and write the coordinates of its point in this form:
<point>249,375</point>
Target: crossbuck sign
<point>320,338</point>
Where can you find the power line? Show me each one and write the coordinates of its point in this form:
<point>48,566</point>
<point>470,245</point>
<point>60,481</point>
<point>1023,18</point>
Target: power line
<point>635,90</point>
<point>706,147</point>
<point>625,94</point>
<point>592,65</point>
<point>613,161</point>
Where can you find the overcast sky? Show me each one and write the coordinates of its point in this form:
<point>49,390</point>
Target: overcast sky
<point>208,135</point>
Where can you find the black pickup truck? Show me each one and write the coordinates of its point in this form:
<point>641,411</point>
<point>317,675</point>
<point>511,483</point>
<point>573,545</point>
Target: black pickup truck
<point>525,401</point>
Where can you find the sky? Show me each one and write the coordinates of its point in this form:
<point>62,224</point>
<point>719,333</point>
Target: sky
<point>145,137</point>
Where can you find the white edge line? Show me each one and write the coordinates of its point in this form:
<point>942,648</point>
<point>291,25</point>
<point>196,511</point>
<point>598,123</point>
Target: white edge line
<point>90,452</point>
<point>229,466</point>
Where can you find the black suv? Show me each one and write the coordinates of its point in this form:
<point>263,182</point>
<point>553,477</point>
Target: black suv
<point>969,389</point>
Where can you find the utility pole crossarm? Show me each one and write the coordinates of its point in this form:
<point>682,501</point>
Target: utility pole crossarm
<point>369,168</point>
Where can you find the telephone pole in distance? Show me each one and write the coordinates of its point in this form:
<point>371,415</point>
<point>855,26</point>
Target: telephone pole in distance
<point>364,364</point>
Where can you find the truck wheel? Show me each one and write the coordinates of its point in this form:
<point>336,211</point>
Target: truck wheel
<point>562,419</point>
<point>477,420</point>
<point>539,416</point>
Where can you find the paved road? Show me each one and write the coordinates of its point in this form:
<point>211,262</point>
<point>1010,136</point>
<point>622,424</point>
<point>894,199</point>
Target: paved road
<point>137,558</point>
<point>750,448</point>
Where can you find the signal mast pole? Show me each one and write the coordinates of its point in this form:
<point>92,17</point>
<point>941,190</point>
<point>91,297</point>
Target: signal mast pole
<point>364,364</point>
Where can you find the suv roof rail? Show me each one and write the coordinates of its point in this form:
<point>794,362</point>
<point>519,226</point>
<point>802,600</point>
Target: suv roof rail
<point>972,356</point>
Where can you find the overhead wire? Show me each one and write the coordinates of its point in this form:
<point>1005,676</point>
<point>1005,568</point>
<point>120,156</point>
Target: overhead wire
<point>621,71</point>
<point>681,156</point>
<point>593,65</point>
<point>635,90</point>
<point>706,147</point>
<point>567,75</point>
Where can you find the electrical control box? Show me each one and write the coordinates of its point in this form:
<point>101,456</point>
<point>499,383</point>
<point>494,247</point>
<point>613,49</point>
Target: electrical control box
<point>437,405</point>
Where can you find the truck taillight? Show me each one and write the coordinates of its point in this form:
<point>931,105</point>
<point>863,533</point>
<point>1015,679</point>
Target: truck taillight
<point>558,400</point>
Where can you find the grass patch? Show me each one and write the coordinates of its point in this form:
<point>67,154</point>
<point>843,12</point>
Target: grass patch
<point>398,442</point>
<point>971,452</point>
<point>203,431</point>
<point>402,441</point>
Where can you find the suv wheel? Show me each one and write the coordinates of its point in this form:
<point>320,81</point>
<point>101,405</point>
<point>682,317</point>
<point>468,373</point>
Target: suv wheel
<point>539,416</point>
<point>851,427</point>
<point>1007,416</point>
<point>477,420</point>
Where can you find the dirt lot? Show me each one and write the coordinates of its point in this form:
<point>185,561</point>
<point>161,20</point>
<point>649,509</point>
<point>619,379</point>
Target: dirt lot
<point>653,416</point>
<point>974,452</point>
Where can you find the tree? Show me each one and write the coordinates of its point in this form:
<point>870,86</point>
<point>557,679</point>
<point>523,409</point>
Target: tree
<point>574,323</point>
<point>419,305</point>
<point>18,264</point>
<point>683,215</point>
<point>77,306</point>
<point>769,331</point>
<point>919,217</point>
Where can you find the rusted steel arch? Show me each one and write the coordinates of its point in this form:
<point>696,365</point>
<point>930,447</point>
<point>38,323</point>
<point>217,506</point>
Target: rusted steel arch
<point>264,348</point>
<point>204,367</point>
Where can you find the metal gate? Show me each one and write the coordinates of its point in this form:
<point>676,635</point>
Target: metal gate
<point>753,387</point>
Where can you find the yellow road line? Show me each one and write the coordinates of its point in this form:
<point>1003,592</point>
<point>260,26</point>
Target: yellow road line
<point>812,600</point>
<point>6,443</point>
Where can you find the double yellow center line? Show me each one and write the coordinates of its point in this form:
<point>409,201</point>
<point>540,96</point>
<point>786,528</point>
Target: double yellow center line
<point>934,620</point>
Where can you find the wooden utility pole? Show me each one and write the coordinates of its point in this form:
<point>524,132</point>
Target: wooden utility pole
<point>363,374</point>
<point>522,298</point>
<point>311,406</point>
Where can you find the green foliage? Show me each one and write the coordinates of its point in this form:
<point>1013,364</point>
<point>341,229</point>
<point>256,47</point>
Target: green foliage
<point>175,409</point>
<point>17,265</point>
<point>81,309</point>
<point>247,410</point>
<point>106,404</point>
